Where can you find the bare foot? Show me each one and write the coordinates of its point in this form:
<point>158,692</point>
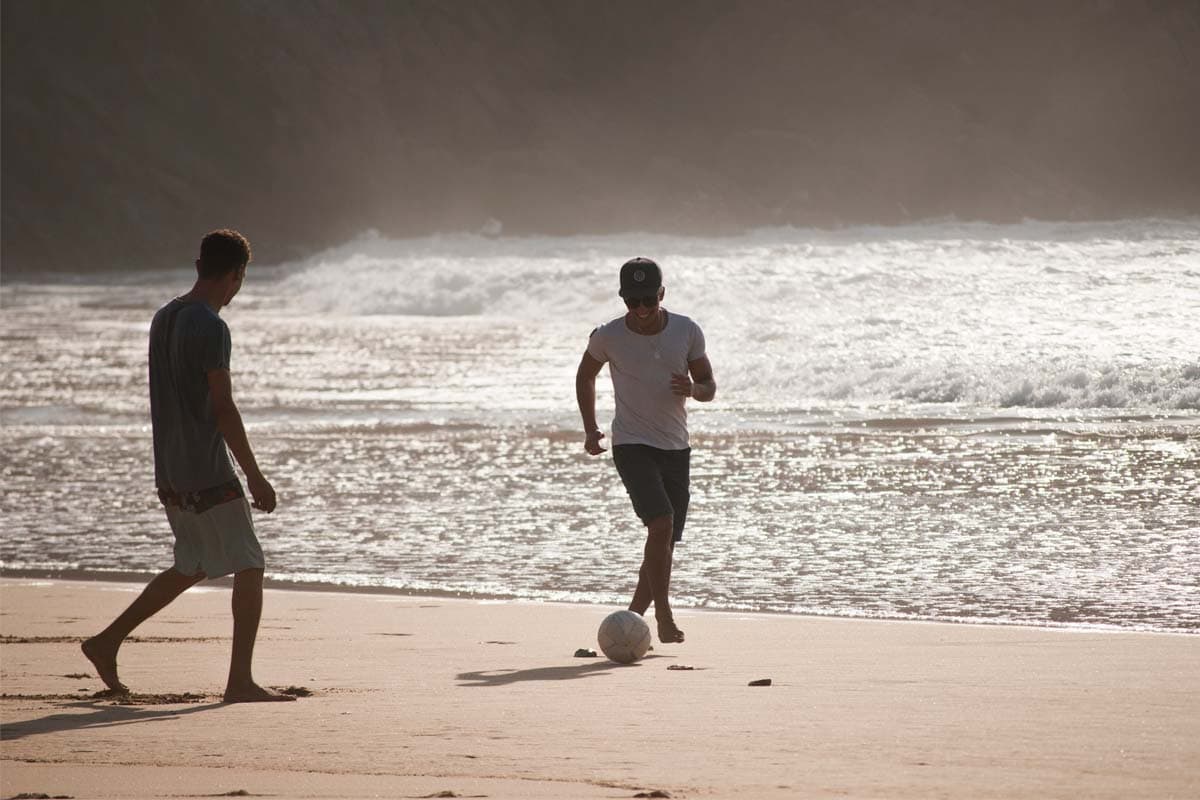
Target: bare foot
<point>104,658</point>
<point>668,633</point>
<point>253,693</point>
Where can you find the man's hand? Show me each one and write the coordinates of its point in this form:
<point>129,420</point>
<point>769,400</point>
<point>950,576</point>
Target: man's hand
<point>592,445</point>
<point>585,393</point>
<point>681,384</point>
<point>262,492</point>
<point>702,386</point>
<point>229,423</point>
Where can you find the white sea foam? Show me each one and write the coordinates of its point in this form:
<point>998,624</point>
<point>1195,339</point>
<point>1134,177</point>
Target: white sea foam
<point>1036,315</point>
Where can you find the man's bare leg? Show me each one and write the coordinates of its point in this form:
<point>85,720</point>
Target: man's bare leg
<point>677,633</point>
<point>247,611</point>
<point>102,648</point>
<point>656,571</point>
<point>642,596</point>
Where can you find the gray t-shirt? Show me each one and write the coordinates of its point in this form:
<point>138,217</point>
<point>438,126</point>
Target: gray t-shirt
<point>648,412</point>
<point>187,340</point>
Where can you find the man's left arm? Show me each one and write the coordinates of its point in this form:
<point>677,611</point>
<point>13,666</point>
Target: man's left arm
<point>700,385</point>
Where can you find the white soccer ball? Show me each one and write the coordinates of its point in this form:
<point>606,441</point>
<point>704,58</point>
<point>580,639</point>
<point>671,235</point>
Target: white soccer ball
<point>624,637</point>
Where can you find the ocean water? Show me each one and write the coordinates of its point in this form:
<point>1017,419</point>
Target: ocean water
<point>946,421</point>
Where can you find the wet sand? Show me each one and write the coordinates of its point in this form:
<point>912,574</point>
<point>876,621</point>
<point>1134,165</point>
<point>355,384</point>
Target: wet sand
<point>415,697</point>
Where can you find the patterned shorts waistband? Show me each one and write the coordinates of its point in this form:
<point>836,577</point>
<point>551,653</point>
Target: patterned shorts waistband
<point>202,500</point>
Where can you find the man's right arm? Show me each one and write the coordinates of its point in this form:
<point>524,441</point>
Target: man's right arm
<point>585,395</point>
<point>229,423</point>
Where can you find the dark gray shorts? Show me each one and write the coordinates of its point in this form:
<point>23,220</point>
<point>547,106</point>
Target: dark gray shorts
<point>657,481</point>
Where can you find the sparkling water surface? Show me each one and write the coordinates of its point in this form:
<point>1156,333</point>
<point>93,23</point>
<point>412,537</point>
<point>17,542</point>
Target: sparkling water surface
<point>953,422</point>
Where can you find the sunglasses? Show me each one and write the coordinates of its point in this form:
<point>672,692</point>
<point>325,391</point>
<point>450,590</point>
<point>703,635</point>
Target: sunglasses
<point>648,302</point>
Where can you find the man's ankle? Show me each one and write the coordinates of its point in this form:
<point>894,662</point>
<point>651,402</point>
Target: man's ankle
<point>104,639</point>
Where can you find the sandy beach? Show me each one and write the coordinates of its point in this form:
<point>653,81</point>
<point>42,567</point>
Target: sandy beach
<point>423,697</point>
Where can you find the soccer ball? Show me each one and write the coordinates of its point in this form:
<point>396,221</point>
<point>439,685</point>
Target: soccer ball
<point>624,637</point>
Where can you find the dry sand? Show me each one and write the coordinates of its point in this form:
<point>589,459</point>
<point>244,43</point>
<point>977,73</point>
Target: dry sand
<point>414,697</point>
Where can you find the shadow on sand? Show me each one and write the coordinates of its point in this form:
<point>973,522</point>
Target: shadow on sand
<point>504,677</point>
<point>103,715</point>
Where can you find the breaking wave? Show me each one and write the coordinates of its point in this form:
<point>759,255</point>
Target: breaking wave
<point>1036,315</point>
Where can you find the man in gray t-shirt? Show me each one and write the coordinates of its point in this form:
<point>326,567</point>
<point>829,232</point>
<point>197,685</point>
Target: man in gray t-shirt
<point>196,424</point>
<point>188,340</point>
<point>657,360</point>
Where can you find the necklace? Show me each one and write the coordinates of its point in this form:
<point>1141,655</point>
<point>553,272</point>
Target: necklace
<point>662,323</point>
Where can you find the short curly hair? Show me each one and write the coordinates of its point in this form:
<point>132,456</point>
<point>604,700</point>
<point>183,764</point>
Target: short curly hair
<point>223,251</point>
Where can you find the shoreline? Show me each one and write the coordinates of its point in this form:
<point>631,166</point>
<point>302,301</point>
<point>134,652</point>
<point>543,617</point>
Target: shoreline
<point>417,695</point>
<point>284,585</point>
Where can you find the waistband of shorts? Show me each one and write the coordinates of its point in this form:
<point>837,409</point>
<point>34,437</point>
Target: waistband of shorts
<point>630,446</point>
<point>202,500</point>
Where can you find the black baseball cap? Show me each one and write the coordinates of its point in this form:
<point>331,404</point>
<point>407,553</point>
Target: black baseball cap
<point>640,277</point>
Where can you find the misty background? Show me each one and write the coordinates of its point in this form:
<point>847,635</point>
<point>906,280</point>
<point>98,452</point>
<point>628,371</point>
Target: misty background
<point>130,128</point>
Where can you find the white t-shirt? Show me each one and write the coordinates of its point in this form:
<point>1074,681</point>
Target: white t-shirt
<point>648,412</point>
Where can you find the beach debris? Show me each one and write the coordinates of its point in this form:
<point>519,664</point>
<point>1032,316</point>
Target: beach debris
<point>78,676</point>
<point>40,796</point>
<point>498,641</point>
<point>654,793</point>
<point>680,666</point>
<point>7,696</point>
<point>295,691</point>
<point>760,682</point>
<point>584,652</point>
<point>138,699</point>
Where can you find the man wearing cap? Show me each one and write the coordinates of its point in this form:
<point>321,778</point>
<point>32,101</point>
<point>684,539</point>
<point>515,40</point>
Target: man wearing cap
<point>657,360</point>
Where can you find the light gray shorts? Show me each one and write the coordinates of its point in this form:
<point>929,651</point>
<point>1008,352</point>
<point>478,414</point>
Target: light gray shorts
<point>217,542</point>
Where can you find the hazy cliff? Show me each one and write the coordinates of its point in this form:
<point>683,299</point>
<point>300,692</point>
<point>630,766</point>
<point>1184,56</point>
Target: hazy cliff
<point>130,128</point>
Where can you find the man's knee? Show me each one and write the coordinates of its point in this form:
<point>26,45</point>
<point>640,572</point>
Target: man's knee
<point>180,577</point>
<point>661,527</point>
<point>249,576</point>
